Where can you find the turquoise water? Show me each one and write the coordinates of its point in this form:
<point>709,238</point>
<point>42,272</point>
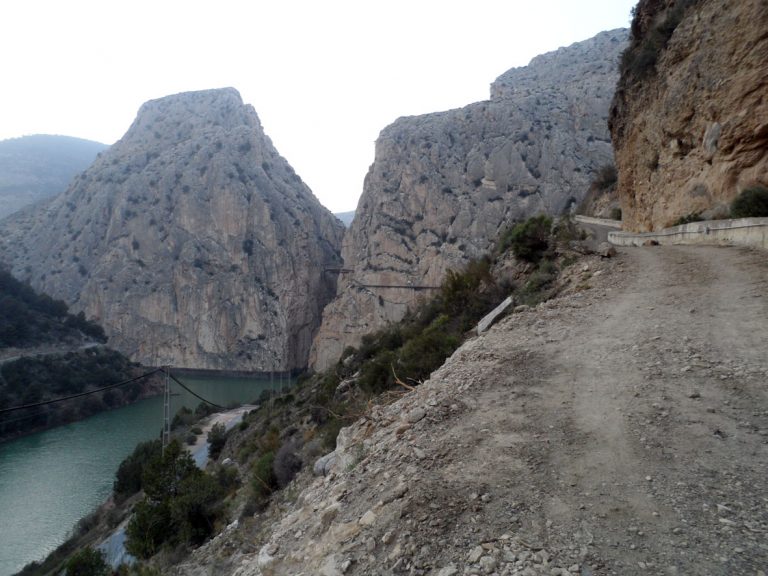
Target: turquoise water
<point>49,480</point>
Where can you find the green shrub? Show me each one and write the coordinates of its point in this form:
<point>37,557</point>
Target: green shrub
<point>688,218</point>
<point>751,203</point>
<point>180,506</point>
<point>197,430</point>
<point>426,352</point>
<point>460,290</point>
<point>217,437</point>
<point>263,481</point>
<point>536,289</point>
<point>286,465</point>
<point>129,473</point>
<point>184,417</point>
<point>528,240</point>
<point>605,178</point>
<point>640,58</point>
<point>87,562</point>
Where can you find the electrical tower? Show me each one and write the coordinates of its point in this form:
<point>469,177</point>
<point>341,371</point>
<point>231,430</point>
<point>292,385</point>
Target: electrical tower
<point>166,408</point>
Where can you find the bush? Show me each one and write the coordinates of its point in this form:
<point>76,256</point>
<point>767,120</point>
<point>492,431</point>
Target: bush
<point>751,203</point>
<point>528,240</point>
<point>128,476</point>
<point>263,481</point>
<point>688,218</point>
<point>287,464</point>
<point>217,437</point>
<point>640,58</point>
<point>606,177</point>
<point>184,417</point>
<point>87,562</point>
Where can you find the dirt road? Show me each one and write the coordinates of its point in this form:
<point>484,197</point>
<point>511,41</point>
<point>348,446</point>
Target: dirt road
<point>621,428</point>
<point>647,416</point>
<point>634,428</point>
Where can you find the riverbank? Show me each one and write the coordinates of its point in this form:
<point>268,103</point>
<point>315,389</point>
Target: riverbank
<point>228,419</point>
<point>51,480</point>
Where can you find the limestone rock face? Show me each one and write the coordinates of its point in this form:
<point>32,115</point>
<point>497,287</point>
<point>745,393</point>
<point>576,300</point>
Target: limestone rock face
<point>443,185</point>
<point>690,117</point>
<point>191,240</point>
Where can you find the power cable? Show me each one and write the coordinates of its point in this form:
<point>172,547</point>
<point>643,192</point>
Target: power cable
<point>81,394</point>
<point>196,395</point>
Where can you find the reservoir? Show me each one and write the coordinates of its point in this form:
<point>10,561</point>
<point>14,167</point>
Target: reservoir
<point>49,480</point>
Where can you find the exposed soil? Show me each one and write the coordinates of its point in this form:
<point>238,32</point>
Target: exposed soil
<point>621,428</point>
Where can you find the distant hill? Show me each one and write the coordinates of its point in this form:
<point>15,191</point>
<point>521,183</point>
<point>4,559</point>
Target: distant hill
<point>345,217</point>
<point>33,168</point>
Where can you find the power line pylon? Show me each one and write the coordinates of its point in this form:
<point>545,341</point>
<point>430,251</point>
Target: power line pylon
<point>166,409</point>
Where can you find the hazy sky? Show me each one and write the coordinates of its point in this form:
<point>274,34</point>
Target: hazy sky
<point>325,76</point>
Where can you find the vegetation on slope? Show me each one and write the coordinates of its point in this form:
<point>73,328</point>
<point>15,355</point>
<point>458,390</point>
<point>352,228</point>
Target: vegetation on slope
<point>650,36</point>
<point>752,202</point>
<point>31,320</point>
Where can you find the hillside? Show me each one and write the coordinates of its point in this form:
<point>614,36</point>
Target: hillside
<point>33,168</point>
<point>30,319</point>
<point>47,353</point>
<point>690,121</point>
<point>191,241</point>
<point>443,185</point>
<point>617,429</point>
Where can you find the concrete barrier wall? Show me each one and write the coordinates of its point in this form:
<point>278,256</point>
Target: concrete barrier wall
<point>598,221</point>
<point>741,232</point>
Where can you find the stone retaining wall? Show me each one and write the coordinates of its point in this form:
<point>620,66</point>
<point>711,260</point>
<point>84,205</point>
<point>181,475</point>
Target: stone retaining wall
<point>741,232</point>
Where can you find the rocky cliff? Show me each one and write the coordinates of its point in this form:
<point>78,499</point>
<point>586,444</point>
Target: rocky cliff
<point>690,117</point>
<point>443,185</point>
<point>192,241</point>
<point>36,167</point>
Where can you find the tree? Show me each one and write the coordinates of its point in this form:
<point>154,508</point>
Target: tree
<point>87,562</point>
<point>529,240</point>
<point>217,437</point>
<point>181,504</point>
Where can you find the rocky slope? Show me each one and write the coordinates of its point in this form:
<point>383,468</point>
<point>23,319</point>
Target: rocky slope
<point>192,241</point>
<point>620,428</point>
<point>690,118</point>
<point>443,185</point>
<point>33,168</point>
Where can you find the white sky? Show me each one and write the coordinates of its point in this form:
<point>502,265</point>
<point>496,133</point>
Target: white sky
<point>325,76</point>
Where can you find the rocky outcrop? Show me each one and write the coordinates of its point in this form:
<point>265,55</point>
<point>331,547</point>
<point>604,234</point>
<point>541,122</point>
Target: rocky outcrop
<point>192,241</point>
<point>690,118</point>
<point>443,185</point>
<point>33,168</point>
